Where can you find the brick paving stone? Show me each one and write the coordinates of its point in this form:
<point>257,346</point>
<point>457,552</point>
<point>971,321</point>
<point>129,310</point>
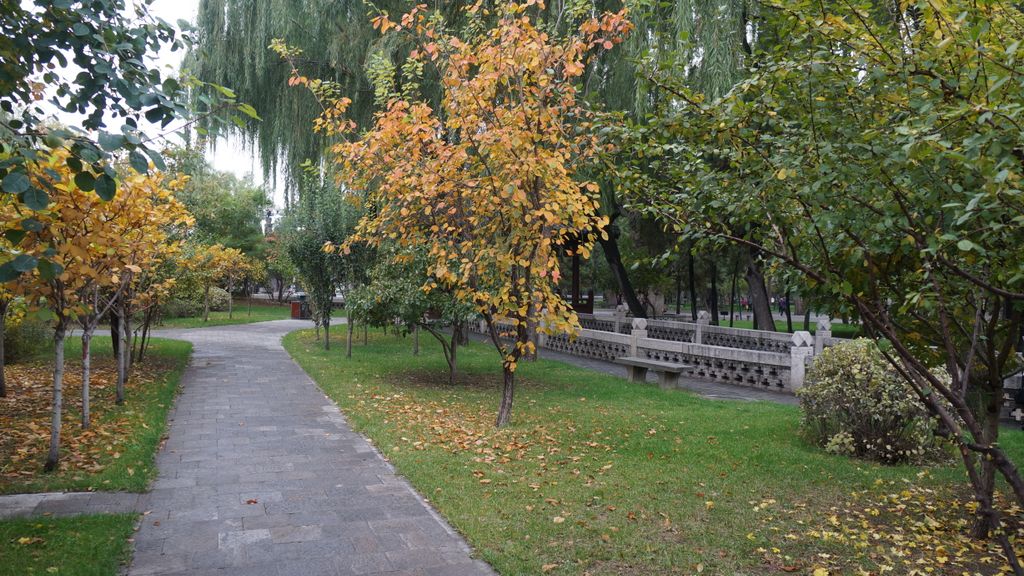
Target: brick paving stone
<point>261,474</point>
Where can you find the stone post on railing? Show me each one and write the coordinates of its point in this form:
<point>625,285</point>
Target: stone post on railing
<point>639,331</point>
<point>823,333</point>
<point>703,319</point>
<point>803,348</point>
<point>620,317</point>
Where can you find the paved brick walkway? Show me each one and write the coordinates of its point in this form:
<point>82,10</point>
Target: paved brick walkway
<point>261,475</point>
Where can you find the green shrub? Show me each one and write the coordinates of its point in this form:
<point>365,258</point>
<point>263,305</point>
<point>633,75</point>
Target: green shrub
<point>191,305</point>
<point>855,403</point>
<point>181,308</point>
<point>26,338</point>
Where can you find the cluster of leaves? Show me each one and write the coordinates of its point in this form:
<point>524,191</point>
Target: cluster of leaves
<point>108,43</point>
<point>874,151</point>
<point>80,243</point>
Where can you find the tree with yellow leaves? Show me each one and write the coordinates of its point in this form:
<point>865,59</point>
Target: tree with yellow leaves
<point>487,184</point>
<point>213,265</point>
<point>92,248</point>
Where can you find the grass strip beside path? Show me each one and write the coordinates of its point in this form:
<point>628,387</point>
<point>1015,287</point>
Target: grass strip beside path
<point>596,476</point>
<point>117,451</point>
<point>261,312</point>
<point>78,546</point>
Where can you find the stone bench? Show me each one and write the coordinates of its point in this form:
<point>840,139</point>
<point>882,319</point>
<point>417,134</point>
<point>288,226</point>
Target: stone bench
<point>668,372</point>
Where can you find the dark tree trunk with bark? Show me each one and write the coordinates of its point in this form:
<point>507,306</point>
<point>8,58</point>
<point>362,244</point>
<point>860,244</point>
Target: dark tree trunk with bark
<point>679,290</point>
<point>348,341</point>
<point>714,294</point>
<point>614,258</point>
<point>692,287</point>
<point>789,310</point>
<point>3,321</point>
<point>759,302</point>
<point>732,295</point>
<point>507,392</point>
<point>115,332</point>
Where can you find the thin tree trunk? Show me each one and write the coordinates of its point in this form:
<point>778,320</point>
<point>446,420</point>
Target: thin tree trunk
<point>206,304</point>
<point>53,457</point>
<point>679,289</point>
<point>366,329</point>
<point>453,354</point>
<point>789,310</point>
<point>231,300</point>
<point>692,287</point>
<point>807,318</point>
<point>327,335</point>
<point>86,372</point>
<point>415,339</point>
<point>115,331</point>
<point>714,293</point>
<point>348,343</point>
<point>122,363</point>
<point>759,303</point>
<point>248,312</point>
<point>3,323</point>
<point>126,326</point>
<point>507,392</point>
<point>732,296</point>
<point>610,247</point>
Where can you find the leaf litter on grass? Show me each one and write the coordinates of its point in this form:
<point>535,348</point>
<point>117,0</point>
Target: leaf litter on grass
<point>26,411</point>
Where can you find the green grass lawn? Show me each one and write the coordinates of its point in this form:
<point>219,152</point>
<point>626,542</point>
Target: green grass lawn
<point>597,476</point>
<point>117,452</point>
<point>79,546</point>
<point>839,330</point>
<point>241,314</point>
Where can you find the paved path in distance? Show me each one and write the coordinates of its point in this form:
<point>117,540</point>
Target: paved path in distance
<point>261,475</point>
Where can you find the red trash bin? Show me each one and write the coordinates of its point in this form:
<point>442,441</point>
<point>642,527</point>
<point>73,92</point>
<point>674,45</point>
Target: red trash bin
<point>296,310</point>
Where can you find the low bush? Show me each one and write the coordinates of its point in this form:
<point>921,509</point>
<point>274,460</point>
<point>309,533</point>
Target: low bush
<point>25,338</point>
<point>191,305</point>
<point>855,403</point>
<point>180,308</point>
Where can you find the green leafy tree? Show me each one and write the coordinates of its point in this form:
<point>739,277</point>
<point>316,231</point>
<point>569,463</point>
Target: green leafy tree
<point>322,216</point>
<point>228,210</point>
<point>398,291</point>
<point>876,152</point>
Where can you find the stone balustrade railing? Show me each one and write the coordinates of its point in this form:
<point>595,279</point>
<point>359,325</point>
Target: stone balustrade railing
<point>780,371</point>
<point>703,332</point>
<point>765,360</point>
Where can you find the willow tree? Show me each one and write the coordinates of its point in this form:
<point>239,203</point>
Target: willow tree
<point>233,40</point>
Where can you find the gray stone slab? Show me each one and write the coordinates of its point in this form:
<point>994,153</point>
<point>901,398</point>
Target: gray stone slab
<point>69,504</point>
<point>261,474</point>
